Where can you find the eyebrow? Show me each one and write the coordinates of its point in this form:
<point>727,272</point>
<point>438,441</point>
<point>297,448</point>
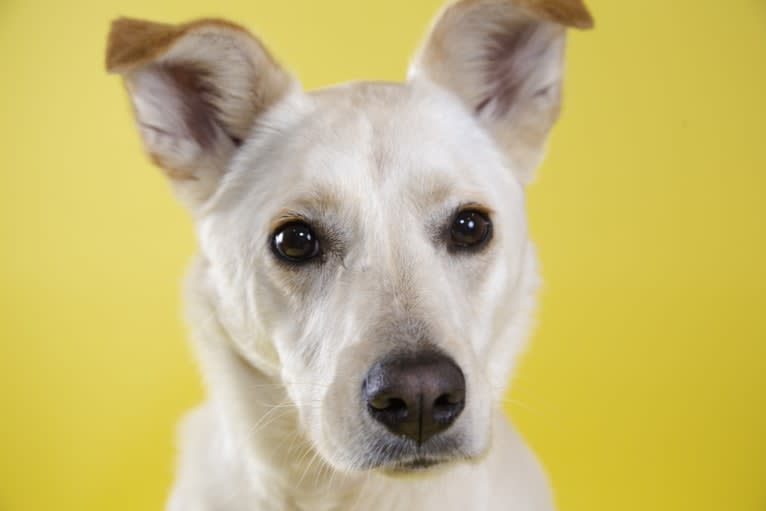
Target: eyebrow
<point>437,192</point>
<point>321,201</point>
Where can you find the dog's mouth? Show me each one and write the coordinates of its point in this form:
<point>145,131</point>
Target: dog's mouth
<point>402,458</point>
<point>419,464</point>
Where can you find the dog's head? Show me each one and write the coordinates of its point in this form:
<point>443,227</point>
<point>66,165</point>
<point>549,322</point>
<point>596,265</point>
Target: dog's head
<point>367,243</point>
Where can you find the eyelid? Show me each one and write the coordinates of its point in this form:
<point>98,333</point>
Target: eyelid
<point>286,217</point>
<point>475,206</point>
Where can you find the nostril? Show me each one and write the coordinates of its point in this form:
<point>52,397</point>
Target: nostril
<point>396,405</point>
<point>390,410</point>
<point>379,403</point>
<point>390,404</point>
<point>448,400</point>
<point>447,407</point>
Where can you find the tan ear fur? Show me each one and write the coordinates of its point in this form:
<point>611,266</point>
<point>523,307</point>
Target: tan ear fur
<point>133,42</point>
<point>569,13</point>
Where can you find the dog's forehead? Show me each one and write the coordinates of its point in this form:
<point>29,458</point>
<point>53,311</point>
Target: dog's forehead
<point>396,138</point>
<point>396,127</point>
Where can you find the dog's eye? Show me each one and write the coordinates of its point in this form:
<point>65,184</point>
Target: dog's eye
<point>295,242</point>
<point>470,229</point>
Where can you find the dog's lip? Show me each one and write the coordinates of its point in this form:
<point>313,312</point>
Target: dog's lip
<point>417,464</point>
<point>420,463</point>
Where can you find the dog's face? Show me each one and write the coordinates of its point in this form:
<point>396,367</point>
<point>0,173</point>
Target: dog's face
<point>387,226</point>
<point>367,244</point>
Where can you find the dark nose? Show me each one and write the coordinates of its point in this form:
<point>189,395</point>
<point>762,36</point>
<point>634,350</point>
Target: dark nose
<point>416,396</point>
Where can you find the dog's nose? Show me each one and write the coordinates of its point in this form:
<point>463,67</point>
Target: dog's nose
<point>416,396</point>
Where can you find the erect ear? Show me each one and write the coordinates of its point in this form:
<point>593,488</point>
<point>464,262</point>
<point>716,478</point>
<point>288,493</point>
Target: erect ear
<point>197,90</point>
<point>503,59</point>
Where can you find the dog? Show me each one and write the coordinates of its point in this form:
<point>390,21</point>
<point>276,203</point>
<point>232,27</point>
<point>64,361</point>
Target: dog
<point>365,281</point>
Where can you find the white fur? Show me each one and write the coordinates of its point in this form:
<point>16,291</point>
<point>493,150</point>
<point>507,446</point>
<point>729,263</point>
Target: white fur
<point>381,166</point>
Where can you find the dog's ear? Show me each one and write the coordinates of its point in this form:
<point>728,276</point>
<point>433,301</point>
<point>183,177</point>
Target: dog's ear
<point>503,59</point>
<point>196,90</point>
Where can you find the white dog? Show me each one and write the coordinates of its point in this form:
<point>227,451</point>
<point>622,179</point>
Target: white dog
<point>365,280</point>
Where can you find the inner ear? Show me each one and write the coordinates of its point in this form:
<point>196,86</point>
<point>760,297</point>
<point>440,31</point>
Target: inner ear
<point>195,93</point>
<point>510,57</point>
<point>195,86</point>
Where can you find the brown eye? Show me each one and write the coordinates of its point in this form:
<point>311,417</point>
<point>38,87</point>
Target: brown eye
<point>470,229</point>
<point>295,242</point>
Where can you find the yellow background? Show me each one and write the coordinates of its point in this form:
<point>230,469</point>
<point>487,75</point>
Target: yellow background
<point>645,388</point>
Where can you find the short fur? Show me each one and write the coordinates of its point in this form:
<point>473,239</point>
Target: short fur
<point>378,170</point>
